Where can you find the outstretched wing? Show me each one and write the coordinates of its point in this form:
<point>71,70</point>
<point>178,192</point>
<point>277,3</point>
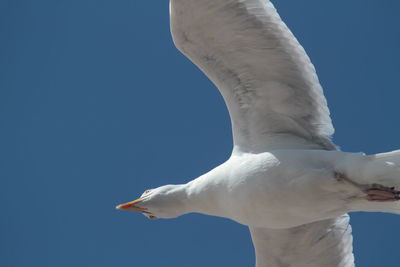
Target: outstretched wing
<point>267,80</point>
<point>326,243</point>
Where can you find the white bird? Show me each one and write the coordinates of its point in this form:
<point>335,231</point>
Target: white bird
<point>285,179</point>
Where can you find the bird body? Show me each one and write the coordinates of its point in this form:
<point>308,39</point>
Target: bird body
<point>280,189</point>
<point>287,188</point>
<point>285,179</point>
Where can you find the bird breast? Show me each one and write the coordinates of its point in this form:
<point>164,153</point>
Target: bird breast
<point>282,189</point>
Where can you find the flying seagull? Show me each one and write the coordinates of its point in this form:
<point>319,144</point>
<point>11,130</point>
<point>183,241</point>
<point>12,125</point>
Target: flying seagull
<point>285,179</point>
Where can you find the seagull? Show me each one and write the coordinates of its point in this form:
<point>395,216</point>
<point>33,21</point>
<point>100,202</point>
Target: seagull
<point>285,179</point>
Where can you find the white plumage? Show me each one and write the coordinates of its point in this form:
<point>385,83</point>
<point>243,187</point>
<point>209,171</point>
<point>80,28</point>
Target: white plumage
<point>266,78</point>
<point>285,178</point>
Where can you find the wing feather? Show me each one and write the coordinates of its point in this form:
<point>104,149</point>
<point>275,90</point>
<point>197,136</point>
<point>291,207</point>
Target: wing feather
<point>267,80</point>
<point>325,243</point>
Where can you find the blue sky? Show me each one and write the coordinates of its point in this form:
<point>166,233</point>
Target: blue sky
<point>96,105</point>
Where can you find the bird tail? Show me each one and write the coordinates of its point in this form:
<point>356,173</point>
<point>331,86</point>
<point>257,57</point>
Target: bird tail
<point>391,157</point>
<point>380,172</point>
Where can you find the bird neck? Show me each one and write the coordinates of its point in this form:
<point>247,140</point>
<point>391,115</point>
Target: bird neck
<point>204,193</point>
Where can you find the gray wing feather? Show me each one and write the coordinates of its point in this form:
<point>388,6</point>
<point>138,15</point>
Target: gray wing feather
<point>326,243</point>
<point>267,80</point>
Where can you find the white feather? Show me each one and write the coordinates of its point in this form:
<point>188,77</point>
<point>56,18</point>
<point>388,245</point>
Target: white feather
<point>267,80</point>
<point>283,180</point>
<point>319,244</point>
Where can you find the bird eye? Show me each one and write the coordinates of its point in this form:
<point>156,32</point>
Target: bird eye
<point>147,191</point>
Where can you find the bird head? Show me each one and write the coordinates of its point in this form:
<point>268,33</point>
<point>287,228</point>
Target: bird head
<point>166,201</point>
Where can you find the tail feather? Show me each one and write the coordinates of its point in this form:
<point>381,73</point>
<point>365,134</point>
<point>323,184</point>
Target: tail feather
<point>382,169</point>
<point>393,157</point>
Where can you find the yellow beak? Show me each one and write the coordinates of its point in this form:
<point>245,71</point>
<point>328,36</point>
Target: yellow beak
<point>131,206</point>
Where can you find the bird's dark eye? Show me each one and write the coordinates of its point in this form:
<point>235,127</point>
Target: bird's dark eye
<point>147,191</point>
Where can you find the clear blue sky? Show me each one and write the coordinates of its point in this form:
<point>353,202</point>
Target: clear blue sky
<point>96,105</point>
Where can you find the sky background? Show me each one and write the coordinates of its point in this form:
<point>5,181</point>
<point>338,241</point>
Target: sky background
<point>96,105</point>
